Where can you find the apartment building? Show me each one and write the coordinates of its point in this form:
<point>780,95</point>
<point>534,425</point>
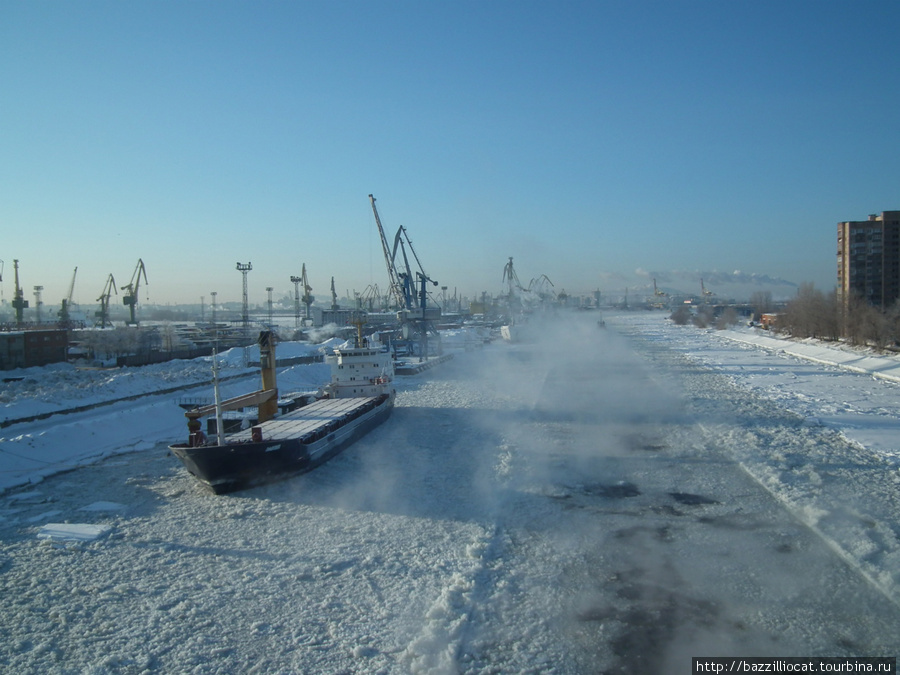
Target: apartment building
<point>868,259</point>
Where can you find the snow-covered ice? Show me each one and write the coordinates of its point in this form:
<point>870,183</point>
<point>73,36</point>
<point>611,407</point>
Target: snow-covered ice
<point>610,501</point>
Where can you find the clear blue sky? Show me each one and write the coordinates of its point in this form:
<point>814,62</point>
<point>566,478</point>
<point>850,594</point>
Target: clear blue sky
<point>598,143</point>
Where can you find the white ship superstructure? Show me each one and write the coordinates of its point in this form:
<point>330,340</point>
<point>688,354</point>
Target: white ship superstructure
<point>360,371</point>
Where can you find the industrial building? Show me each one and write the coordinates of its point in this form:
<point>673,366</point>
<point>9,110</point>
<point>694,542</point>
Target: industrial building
<point>24,349</point>
<point>869,259</point>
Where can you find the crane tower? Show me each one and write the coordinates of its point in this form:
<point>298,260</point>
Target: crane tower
<point>409,288</point>
<point>103,313</point>
<point>131,290</point>
<point>19,302</point>
<point>307,298</point>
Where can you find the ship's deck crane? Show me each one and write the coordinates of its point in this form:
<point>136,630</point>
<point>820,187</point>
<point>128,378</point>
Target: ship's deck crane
<point>103,313</point>
<point>131,290</point>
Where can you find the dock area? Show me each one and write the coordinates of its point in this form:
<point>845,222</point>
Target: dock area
<point>416,367</point>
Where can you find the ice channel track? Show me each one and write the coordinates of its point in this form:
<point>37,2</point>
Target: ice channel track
<point>816,473</point>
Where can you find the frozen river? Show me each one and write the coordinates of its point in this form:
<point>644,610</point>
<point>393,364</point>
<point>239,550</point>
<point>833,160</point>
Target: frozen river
<point>588,502</point>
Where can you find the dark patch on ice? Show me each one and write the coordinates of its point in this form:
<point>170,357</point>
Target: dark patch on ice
<point>689,499</point>
<point>651,616</point>
<point>734,521</point>
<point>784,548</point>
<point>645,444</point>
<point>662,533</point>
<point>849,644</point>
<point>619,490</point>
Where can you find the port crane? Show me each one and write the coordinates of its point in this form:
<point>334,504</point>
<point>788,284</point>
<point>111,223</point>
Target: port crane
<point>396,285</point>
<point>131,290</point>
<point>369,296</point>
<point>19,303</point>
<point>659,297</point>
<point>658,293</point>
<point>540,285</point>
<point>409,288</point>
<point>103,313</point>
<point>63,313</point>
<point>307,298</point>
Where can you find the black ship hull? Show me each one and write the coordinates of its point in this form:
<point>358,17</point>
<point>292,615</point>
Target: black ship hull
<point>290,445</point>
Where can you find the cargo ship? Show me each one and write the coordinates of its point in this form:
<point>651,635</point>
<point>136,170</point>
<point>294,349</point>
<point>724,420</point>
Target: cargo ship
<point>289,436</point>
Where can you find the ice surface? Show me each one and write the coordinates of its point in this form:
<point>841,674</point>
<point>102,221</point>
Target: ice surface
<point>605,501</point>
<point>72,532</point>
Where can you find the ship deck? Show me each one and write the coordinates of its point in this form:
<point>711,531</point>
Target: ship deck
<point>306,420</point>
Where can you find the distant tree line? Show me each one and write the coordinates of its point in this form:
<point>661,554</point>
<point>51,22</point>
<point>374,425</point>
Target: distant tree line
<point>814,314</point>
<point>705,317</point>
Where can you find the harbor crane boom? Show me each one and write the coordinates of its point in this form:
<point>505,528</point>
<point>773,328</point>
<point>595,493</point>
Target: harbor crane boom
<point>131,296</point>
<point>409,288</point>
<point>307,296</point>
<point>396,284</point>
<point>71,288</point>
<point>103,313</point>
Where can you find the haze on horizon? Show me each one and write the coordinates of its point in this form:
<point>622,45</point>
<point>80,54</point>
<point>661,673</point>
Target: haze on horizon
<point>602,144</point>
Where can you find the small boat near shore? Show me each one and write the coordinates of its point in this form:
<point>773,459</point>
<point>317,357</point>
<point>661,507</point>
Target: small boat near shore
<point>359,397</point>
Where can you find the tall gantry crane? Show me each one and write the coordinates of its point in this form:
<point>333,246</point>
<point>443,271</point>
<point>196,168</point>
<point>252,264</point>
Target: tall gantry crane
<point>539,285</point>
<point>19,303</point>
<point>102,314</point>
<point>306,297</point>
<point>131,290</point>
<point>511,279</point>
<point>404,282</point>
<point>370,296</point>
<point>396,285</point>
<point>38,304</point>
<point>658,293</point>
<point>63,313</point>
<point>409,287</point>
